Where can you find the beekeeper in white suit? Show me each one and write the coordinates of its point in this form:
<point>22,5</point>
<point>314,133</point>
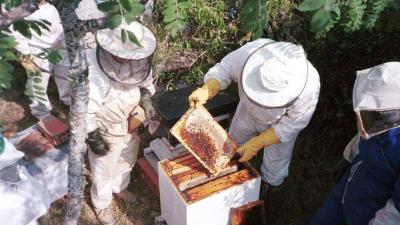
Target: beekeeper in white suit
<point>49,39</point>
<point>120,79</point>
<point>278,91</point>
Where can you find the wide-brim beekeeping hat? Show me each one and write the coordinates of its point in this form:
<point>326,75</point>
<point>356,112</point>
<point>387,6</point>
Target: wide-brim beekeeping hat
<point>111,41</point>
<point>275,75</point>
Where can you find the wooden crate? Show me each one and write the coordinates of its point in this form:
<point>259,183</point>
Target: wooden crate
<point>250,214</point>
<point>148,174</point>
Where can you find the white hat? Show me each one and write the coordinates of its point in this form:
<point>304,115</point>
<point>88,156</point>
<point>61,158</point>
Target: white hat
<point>111,41</point>
<point>87,10</point>
<point>276,74</point>
<point>377,88</point>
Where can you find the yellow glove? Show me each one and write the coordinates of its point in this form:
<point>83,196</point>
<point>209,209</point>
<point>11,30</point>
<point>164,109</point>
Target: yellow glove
<point>201,95</point>
<point>249,149</point>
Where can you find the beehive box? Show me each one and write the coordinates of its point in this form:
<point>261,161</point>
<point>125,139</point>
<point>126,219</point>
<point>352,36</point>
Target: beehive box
<point>190,195</point>
<point>205,139</point>
<point>54,130</point>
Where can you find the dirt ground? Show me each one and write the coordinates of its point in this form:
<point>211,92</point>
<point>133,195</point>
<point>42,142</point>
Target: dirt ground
<point>318,148</point>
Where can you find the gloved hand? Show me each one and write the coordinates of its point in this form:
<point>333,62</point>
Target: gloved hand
<point>147,105</point>
<point>249,149</point>
<point>207,91</point>
<point>96,143</point>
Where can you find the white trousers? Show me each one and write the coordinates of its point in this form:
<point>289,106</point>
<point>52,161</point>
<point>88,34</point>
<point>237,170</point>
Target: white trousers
<point>277,157</point>
<point>111,172</point>
<point>42,108</point>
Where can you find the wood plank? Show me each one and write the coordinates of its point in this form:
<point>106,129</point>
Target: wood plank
<point>201,177</point>
<point>147,173</point>
<point>219,184</point>
<point>249,214</point>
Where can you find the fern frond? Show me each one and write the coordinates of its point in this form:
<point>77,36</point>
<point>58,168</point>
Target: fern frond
<point>355,15</point>
<point>374,12</point>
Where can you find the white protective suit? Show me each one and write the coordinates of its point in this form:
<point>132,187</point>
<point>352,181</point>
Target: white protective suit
<point>250,120</point>
<point>49,39</point>
<point>110,104</point>
<point>23,198</point>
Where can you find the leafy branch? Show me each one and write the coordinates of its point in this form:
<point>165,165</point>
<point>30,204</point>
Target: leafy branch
<point>326,15</point>
<point>119,11</point>
<point>359,14</point>
<point>175,15</point>
<point>253,16</point>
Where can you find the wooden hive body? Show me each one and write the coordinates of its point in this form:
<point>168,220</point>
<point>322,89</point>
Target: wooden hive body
<point>189,195</point>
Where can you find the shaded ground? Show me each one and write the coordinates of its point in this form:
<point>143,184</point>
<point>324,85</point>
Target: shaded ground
<point>318,147</point>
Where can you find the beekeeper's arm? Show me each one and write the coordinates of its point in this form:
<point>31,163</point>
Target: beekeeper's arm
<point>223,73</point>
<point>390,213</point>
<point>147,90</point>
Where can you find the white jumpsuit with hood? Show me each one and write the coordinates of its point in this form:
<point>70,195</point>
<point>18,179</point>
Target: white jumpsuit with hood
<point>110,104</point>
<point>250,119</point>
<point>53,39</point>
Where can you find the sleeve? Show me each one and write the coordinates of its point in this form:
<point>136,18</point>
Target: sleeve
<point>388,215</point>
<point>22,42</point>
<point>148,84</point>
<point>351,150</point>
<point>231,66</point>
<point>299,114</point>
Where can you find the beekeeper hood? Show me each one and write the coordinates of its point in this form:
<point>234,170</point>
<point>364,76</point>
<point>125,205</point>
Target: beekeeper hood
<point>275,75</point>
<point>376,99</point>
<point>138,57</point>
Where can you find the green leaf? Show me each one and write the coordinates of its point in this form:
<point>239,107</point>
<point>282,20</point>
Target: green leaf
<point>5,66</point>
<point>168,11</point>
<point>35,28</point>
<point>132,37</point>
<point>37,80</point>
<point>124,35</point>
<point>48,23</point>
<point>23,28</point>
<point>137,8</point>
<point>129,18</point>
<point>2,144</point>
<point>8,55</point>
<point>41,99</point>
<point>40,93</point>
<point>184,5</point>
<point>43,25</point>
<point>311,5</point>
<point>320,20</point>
<point>126,4</point>
<point>251,26</point>
<point>7,42</point>
<point>38,87</point>
<point>5,76</point>
<point>54,57</point>
<point>107,7</point>
<point>114,21</point>
<point>169,18</point>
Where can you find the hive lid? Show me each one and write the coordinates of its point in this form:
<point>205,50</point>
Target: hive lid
<point>205,139</point>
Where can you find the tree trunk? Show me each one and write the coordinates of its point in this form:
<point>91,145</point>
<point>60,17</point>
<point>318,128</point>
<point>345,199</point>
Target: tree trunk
<point>80,90</point>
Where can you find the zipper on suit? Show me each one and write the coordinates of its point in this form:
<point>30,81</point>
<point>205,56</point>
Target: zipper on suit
<point>352,172</point>
<point>387,163</point>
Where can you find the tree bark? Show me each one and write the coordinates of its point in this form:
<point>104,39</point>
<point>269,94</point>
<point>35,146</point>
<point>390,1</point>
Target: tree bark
<point>78,110</point>
<point>18,13</point>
